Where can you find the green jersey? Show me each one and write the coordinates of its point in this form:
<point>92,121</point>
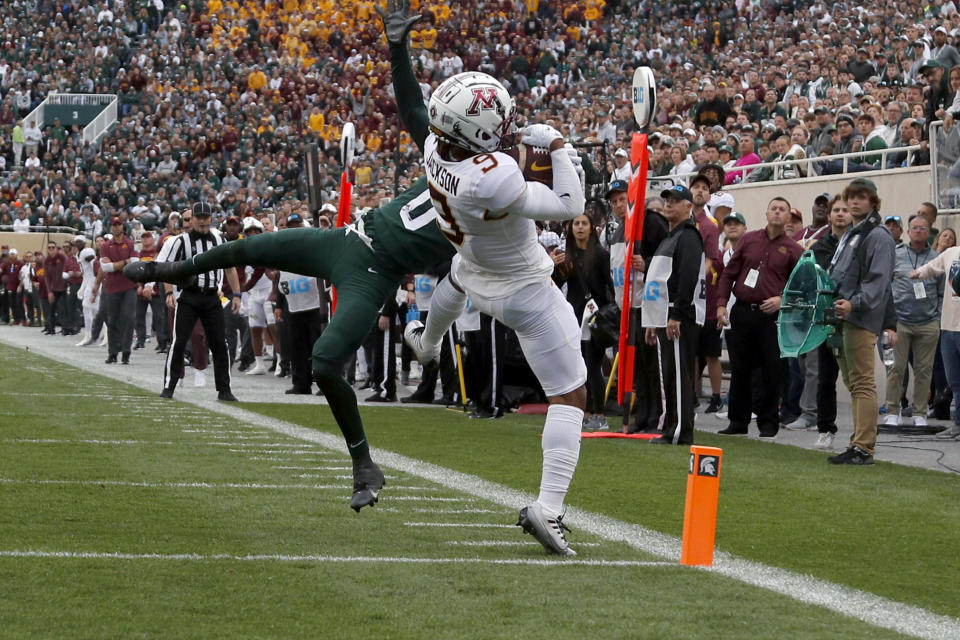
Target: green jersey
<point>405,235</point>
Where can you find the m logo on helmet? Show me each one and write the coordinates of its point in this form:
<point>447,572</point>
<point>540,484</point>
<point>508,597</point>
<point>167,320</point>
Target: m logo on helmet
<point>485,99</point>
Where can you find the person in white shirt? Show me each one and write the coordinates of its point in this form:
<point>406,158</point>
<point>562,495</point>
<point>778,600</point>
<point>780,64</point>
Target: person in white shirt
<point>32,137</point>
<point>22,223</point>
<point>487,210</point>
<point>551,78</point>
<point>622,168</point>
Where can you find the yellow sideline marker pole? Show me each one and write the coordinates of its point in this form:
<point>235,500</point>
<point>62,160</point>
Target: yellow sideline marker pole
<point>463,386</point>
<point>613,377</point>
<point>700,510</point>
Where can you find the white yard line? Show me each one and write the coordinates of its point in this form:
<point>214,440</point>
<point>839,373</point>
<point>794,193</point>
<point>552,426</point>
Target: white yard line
<point>191,485</point>
<point>460,525</point>
<point>509,543</point>
<point>280,558</point>
<point>97,442</point>
<point>870,608</point>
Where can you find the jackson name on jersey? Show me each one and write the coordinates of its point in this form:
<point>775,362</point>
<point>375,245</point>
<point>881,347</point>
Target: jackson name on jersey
<point>499,252</point>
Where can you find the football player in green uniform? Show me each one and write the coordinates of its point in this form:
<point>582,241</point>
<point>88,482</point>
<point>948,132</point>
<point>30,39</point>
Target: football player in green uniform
<point>366,263</point>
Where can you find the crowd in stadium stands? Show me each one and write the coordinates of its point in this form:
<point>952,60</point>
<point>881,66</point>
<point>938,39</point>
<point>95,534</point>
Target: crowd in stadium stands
<point>218,98</point>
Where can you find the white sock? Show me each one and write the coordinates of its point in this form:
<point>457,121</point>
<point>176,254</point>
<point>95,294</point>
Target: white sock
<point>446,305</point>
<point>561,450</point>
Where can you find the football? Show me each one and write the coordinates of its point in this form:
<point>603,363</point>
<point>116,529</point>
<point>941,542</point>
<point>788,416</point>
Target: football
<point>534,162</point>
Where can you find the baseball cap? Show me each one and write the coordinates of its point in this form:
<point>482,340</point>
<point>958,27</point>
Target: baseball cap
<point>845,118</point>
<point>863,183</point>
<point>295,218</point>
<point>725,200</point>
<point>795,213</point>
<point>825,197</point>
<point>617,185</point>
<point>116,220</point>
<point>146,234</point>
<point>80,238</point>
<point>232,220</point>
<point>896,219</point>
<point>677,191</point>
<point>821,109</point>
<point>700,177</point>
<point>726,149</point>
<point>918,43</point>
<point>735,216</point>
<point>931,63</point>
<point>252,223</point>
<point>202,209</point>
<point>621,153</point>
<point>13,251</point>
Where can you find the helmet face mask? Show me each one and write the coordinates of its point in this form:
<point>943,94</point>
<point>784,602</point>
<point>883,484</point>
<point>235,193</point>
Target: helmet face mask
<point>474,111</point>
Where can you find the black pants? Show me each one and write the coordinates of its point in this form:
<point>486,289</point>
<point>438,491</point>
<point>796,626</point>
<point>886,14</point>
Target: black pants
<point>14,300</point>
<point>205,307</point>
<point>5,309</point>
<point>828,373</point>
<point>303,327</point>
<point>593,358</point>
<point>72,310</point>
<point>648,396</point>
<point>238,332</point>
<point>383,373</point>
<point>679,372</point>
<point>121,316</point>
<point>54,311</point>
<point>99,319</point>
<point>159,322</point>
<point>447,371</point>
<point>752,343</point>
<point>487,349</point>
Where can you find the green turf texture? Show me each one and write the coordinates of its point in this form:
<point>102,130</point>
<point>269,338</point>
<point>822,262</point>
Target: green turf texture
<point>882,530</point>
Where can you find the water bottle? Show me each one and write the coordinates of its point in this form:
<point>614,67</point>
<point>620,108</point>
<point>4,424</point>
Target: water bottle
<point>886,350</point>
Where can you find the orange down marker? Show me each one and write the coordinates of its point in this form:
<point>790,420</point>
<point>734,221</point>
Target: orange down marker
<point>700,510</point>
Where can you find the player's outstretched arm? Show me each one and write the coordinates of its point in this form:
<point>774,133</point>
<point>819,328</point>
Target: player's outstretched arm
<point>397,23</point>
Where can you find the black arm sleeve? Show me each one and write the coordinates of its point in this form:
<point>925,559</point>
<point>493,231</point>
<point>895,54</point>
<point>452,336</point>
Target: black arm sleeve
<point>409,97</point>
<point>684,282</point>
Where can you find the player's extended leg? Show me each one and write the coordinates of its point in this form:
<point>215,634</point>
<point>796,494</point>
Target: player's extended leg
<point>550,339</point>
<point>358,305</point>
<point>310,252</point>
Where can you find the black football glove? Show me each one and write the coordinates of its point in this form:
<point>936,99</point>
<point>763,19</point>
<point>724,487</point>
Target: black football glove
<point>397,20</point>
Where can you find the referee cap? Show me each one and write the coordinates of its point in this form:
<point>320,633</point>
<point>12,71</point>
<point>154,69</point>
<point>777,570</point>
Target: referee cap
<point>202,209</point>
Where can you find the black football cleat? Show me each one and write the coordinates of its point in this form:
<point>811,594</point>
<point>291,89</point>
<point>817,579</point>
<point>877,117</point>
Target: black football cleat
<point>226,396</point>
<point>166,393</point>
<point>367,482</point>
<point>152,271</point>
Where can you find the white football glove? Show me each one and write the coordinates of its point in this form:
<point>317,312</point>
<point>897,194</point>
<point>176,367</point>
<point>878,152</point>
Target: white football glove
<point>574,156</point>
<point>540,135</point>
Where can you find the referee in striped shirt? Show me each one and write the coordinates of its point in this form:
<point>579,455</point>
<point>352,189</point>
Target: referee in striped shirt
<point>200,300</point>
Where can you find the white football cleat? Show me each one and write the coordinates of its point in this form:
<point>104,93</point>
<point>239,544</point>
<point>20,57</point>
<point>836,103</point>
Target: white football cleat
<point>199,378</point>
<point>428,357</point>
<point>547,531</point>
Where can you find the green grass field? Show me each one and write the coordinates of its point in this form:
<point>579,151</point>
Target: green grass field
<point>222,528</point>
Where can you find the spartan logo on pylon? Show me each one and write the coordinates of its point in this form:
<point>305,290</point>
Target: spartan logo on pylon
<point>486,99</point>
<point>709,466</point>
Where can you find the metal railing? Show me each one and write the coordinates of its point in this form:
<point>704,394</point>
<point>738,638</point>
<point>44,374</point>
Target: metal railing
<point>96,128</point>
<point>102,123</point>
<point>779,166</point>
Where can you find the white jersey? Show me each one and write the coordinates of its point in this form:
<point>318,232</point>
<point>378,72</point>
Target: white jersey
<point>262,288</point>
<point>499,251</point>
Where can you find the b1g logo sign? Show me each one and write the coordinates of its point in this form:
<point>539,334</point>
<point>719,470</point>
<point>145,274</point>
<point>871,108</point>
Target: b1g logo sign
<point>484,99</point>
<point>300,285</point>
<point>638,95</point>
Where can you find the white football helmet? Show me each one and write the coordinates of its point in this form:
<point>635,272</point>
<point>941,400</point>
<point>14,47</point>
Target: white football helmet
<point>473,110</point>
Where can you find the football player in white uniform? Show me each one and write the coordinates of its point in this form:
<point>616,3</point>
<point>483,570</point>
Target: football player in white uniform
<point>487,210</point>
